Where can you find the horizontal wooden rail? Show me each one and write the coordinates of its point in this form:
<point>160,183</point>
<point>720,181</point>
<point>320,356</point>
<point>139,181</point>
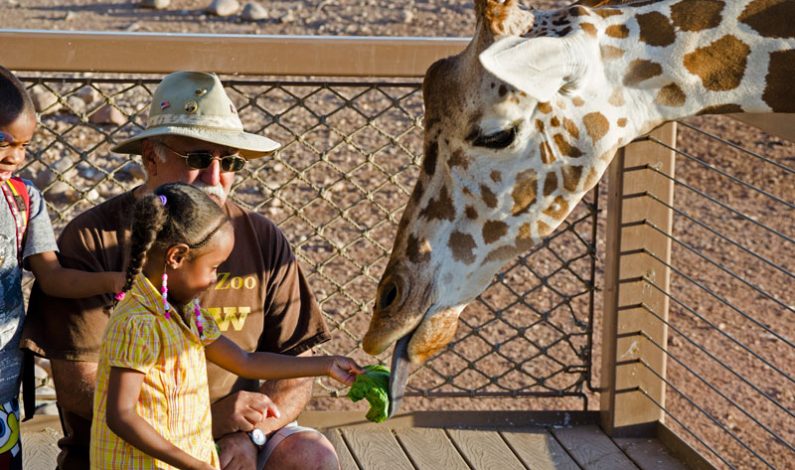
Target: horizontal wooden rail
<point>118,52</point>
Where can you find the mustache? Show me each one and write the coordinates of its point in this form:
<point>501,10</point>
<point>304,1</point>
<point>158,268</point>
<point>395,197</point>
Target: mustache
<point>211,190</point>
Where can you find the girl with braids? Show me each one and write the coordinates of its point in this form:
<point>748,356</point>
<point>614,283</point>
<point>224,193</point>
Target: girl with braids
<point>151,406</point>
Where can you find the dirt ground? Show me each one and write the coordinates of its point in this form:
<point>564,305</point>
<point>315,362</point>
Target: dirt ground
<point>732,357</point>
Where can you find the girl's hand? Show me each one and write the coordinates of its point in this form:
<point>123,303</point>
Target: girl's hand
<point>117,281</point>
<point>202,466</point>
<point>343,369</point>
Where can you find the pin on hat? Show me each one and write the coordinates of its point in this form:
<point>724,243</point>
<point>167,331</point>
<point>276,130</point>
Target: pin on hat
<point>195,104</point>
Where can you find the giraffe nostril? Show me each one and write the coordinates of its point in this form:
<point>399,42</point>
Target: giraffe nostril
<point>388,295</point>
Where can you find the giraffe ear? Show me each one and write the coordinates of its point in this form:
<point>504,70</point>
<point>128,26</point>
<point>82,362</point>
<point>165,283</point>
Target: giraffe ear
<point>540,67</point>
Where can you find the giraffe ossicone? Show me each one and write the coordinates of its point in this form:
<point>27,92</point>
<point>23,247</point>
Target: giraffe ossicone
<point>524,122</point>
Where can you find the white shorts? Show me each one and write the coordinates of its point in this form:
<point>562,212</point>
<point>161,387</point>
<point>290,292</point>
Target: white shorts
<point>276,438</point>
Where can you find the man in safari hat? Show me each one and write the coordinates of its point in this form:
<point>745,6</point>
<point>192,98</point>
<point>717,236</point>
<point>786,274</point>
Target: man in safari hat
<point>261,300</point>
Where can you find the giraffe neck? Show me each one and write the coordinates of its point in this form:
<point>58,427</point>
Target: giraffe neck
<point>678,58</point>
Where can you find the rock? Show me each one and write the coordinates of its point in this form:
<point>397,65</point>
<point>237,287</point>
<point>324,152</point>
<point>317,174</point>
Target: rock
<point>288,17</point>
<point>62,165</point>
<point>108,115</point>
<point>89,172</point>
<point>254,12</point>
<point>76,105</point>
<point>44,178</point>
<point>48,409</point>
<point>70,15</point>
<point>88,94</point>
<point>45,101</point>
<point>156,4</point>
<point>408,16</point>
<point>134,170</point>
<point>223,7</point>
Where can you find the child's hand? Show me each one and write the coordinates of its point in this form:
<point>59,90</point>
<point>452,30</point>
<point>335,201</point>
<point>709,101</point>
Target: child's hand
<point>117,281</point>
<point>343,369</point>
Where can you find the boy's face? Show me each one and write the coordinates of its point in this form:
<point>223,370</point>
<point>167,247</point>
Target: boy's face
<point>13,140</point>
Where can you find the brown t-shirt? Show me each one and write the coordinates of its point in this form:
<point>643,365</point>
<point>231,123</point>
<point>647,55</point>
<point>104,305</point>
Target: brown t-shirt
<point>261,301</point>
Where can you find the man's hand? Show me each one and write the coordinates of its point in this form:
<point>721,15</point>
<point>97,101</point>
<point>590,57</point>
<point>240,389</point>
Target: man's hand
<point>237,452</point>
<point>242,411</point>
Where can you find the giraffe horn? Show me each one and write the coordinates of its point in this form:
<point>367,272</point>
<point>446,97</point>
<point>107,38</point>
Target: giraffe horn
<point>503,17</point>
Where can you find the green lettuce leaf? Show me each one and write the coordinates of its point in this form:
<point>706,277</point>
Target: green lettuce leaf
<point>373,385</point>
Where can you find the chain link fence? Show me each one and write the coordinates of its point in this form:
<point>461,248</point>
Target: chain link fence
<point>337,189</point>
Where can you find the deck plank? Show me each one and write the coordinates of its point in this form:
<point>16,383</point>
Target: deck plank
<point>538,449</point>
<point>430,449</point>
<point>592,449</point>
<point>346,459</point>
<point>376,448</point>
<point>485,449</point>
<point>649,454</point>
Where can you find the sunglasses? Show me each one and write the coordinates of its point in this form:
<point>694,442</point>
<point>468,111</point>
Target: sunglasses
<point>201,159</point>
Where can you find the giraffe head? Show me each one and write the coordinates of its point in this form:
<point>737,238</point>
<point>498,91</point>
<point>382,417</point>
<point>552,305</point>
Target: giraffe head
<point>523,122</point>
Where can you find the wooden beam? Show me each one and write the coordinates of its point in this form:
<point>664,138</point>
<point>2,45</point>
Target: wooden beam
<point>779,125</point>
<point>84,51</point>
<point>638,251</point>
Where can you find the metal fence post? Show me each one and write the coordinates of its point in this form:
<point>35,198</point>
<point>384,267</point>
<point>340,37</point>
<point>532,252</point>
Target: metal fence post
<point>638,254</point>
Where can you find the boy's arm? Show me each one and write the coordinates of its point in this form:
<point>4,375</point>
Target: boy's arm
<point>57,281</point>
<point>124,387</point>
<point>271,366</point>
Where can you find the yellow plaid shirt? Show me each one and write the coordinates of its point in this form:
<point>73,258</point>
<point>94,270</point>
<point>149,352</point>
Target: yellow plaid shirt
<point>174,397</point>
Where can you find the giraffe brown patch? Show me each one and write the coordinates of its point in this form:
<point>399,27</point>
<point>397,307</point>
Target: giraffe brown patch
<point>495,176</point>
<point>471,213</point>
<point>566,148</point>
<point>416,251</point>
<point>640,70</point>
<point>697,15</point>
<point>656,29</point>
<point>488,196</point>
<point>431,153</point>
<point>502,90</point>
<point>611,52</point>
<point>524,238</point>
<point>539,126</point>
<point>616,98</point>
<point>550,183</point>
<point>543,229</point>
<point>607,12</point>
<point>622,122</point>
<point>589,29</point>
<point>618,31</point>
<point>416,195</point>
<point>545,108</point>
<point>571,128</point>
<point>591,179</point>
<point>722,109</point>
<point>554,122</point>
<point>596,124</point>
<point>571,177</point>
<point>779,93</point>
<point>720,65</point>
<point>458,158</point>
<point>547,156</point>
<point>577,101</point>
<point>441,208</point>
<point>524,192</point>
<point>561,104</point>
<point>558,209</point>
<point>770,18</point>
<point>493,230</point>
<point>579,11</point>
<point>463,247</point>
<point>670,95</point>
<point>502,254</point>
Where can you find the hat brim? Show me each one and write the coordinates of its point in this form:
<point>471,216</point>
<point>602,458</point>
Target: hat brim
<point>250,146</point>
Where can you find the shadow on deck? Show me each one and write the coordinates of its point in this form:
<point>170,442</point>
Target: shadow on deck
<point>447,440</point>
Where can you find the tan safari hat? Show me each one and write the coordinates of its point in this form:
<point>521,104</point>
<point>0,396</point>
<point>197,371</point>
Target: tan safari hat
<point>195,104</point>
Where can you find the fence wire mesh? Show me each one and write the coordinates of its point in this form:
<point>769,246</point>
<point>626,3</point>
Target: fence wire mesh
<point>730,353</point>
<point>350,156</point>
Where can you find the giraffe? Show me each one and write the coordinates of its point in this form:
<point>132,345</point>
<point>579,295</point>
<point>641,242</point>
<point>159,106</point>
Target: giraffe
<point>524,122</point>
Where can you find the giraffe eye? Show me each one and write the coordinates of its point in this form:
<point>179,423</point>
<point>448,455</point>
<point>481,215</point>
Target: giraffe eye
<point>498,140</point>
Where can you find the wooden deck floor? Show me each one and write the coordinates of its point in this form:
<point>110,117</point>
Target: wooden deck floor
<point>421,442</point>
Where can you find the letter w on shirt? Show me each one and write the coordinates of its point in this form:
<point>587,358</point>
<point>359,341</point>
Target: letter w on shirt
<point>226,315</point>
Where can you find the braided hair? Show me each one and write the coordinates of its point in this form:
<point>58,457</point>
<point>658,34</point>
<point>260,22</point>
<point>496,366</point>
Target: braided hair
<point>188,216</point>
<point>14,98</point>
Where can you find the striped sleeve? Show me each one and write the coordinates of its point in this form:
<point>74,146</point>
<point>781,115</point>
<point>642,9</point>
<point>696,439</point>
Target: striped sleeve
<point>211,330</point>
<point>133,343</point>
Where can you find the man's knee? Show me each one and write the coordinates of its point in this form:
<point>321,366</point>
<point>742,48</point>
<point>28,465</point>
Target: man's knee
<point>304,450</point>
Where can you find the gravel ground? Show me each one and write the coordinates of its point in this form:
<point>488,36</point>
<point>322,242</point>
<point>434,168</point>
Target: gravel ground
<point>731,338</point>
